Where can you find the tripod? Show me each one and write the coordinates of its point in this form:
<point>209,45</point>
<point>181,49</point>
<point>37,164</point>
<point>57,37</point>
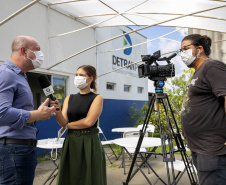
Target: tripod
<point>162,98</point>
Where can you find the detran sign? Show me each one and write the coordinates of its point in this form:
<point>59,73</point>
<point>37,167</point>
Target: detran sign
<point>126,43</point>
<point>122,60</point>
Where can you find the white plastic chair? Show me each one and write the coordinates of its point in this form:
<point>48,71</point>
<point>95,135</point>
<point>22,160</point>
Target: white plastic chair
<point>150,128</point>
<point>107,142</point>
<point>179,164</point>
<point>133,134</point>
<point>131,150</point>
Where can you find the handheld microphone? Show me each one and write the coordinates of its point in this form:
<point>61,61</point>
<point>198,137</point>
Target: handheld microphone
<point>46,87</point>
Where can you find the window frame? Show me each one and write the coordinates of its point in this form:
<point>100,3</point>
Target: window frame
<point>110,83</point>
<point>129,88</point>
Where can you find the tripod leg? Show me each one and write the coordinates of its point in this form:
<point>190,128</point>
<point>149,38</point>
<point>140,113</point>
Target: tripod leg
<point>165,137</point>
<point>181,147</point>
<point>170,143</point>
<point>142,132</point>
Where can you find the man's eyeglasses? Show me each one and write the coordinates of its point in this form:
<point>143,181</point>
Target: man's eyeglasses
<point>184,49</point>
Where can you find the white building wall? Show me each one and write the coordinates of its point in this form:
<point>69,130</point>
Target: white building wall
<point>125,76</point>
<point>41,22</point>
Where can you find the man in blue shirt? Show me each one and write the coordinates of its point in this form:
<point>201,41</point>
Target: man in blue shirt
<point>18,158</point>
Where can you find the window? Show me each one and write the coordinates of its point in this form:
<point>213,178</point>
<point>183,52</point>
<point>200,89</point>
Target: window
<point>59,85</point>
<point>127,88</point>
<point>110,86</point>
<point>139,90</point>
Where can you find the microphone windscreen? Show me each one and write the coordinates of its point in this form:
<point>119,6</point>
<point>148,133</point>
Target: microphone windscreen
<point>44,81</point>
<point>46,87</point>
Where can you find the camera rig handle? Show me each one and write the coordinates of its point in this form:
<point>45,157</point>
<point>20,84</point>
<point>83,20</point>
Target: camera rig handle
<point>167,59</point>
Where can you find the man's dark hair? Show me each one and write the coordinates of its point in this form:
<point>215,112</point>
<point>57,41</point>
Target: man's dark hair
<point>199,40</point>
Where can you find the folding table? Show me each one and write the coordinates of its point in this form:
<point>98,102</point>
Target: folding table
<point>51,144</point>
<point>148,142</point>
<point>122,130</point>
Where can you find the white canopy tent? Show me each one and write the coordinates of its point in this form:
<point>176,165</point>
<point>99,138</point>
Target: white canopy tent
<point>199,14</point>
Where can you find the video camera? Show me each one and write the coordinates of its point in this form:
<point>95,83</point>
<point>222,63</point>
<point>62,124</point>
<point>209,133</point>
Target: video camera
<point>156,72</point>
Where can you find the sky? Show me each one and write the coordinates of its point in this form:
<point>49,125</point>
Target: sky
<point>166,44</point>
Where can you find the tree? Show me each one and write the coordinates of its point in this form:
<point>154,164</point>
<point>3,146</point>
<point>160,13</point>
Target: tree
<point>176,94</point>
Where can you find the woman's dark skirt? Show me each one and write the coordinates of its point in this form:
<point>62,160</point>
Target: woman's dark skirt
<point>83,159</point>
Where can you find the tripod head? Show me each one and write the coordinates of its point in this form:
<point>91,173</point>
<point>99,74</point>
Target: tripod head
<point>159,83</point>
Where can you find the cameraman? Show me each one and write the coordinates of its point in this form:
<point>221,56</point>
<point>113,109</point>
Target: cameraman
<point>203,114</point>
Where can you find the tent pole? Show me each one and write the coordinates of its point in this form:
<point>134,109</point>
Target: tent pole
<point>19,11</point>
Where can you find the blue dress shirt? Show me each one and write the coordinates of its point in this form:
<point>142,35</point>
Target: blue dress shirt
<point>16,101</point>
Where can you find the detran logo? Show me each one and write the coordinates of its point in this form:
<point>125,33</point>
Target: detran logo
<point>127,42</point>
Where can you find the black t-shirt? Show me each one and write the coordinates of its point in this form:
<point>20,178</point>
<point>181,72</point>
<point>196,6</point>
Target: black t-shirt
<point>203,116</point>
<point>79,105</point>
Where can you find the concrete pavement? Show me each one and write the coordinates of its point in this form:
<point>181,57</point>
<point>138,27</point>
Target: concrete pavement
<point>115,175</point>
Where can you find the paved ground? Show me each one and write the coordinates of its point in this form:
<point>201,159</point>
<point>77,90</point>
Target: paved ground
<point>115,175</point>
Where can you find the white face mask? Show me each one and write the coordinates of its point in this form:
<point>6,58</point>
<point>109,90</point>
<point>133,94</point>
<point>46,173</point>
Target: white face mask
<point>38,61</point>
<point>187,56</point>
<point>80,82</point>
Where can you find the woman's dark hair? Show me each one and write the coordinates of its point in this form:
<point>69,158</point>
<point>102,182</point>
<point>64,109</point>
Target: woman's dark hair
<point>91,71</point>
<point>199,40</point>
